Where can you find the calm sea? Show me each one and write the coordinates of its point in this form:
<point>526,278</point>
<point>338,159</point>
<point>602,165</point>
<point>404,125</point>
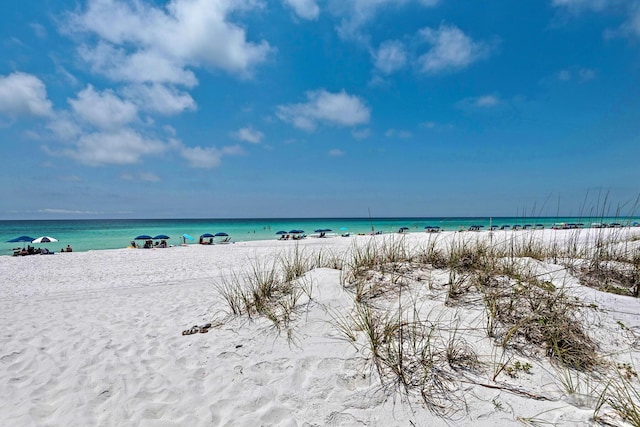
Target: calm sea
<point>84,235</point>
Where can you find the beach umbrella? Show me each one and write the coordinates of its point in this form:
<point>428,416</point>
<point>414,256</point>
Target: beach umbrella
<point>186,236</point>
<point>320,230</point>
<point>221,234</point>
<point>143,237</point>
<point>282,232</point>
<point>207,235</point>
<point>44,239</point>
<point>296,231</point>
<point>161,237</point>
<point>21,239</point>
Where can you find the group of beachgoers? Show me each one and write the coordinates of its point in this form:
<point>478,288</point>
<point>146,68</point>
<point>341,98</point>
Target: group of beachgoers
<point>293,236</point>
<point>30,250</point>
<point>149,244</point>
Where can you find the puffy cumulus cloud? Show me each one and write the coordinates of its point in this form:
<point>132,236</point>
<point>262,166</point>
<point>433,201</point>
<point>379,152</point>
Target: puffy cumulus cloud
<point>161,99</point>
<point>104,110</point>
<point>451,50</point>
<point>305,9</point>
<point>23,94</point>
<point>208,157</point>
<point>339,109</point>
<point>121,147</point>
<point>137,67</point>
<point>141,42</point>
<point>248,134</point>
<point>390,57</point>
<point>357,13</point>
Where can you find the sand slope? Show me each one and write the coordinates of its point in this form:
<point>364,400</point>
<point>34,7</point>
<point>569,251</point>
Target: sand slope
<point>95,339</point>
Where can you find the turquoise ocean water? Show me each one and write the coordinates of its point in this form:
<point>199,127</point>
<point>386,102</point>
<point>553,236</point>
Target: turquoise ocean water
<point>84,235</point>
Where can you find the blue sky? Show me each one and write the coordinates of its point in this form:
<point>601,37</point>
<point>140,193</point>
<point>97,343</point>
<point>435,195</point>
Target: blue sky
<point>318,108</point>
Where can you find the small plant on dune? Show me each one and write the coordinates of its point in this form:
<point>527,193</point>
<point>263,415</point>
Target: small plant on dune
<point>410,354</point>
<point>260,290</point>
<point>295,264</point>
<point>538,313</point>
<point>233,293</point>
<point>623,397</point>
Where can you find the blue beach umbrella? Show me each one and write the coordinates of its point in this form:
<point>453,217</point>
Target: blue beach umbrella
<point>221,234</point>
<point>186,236</point>
<point>282,232</point>
<point>21,239</point>
<point>161,237</point>
<point>207,235</point>
<point>143,237</point>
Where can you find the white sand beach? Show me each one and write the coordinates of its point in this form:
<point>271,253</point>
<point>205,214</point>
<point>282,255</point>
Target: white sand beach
<point>95,339</point>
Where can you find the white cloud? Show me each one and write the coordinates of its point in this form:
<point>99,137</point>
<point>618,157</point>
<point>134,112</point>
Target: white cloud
<point>632,25</point>
<point>305,9</point>
<point>248,134</point>
<point>398,133</point>
<point>630,8</point>
<point>564,75</point>
<point>578,74</point>
<point>149,177</point>
<point>69,178</point>
<point>357,13</point>
<point>23,94</point>
<point>122,147</point>
<point>64,127</point>
<point>336,152</point>
<point>451,50</point>
<point>158,98</point>
<point>361,133</point>
<point>138,67</point>
<point>139,42</point>
<point>104,110</point>
<point>39,30</point>
<point>480,102</point>
<point>339,109</point>
<point>208,157</point>
<point>390,57</point>
<point>577,5</point>
<point>487,101</point>
<point>68,211</point>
